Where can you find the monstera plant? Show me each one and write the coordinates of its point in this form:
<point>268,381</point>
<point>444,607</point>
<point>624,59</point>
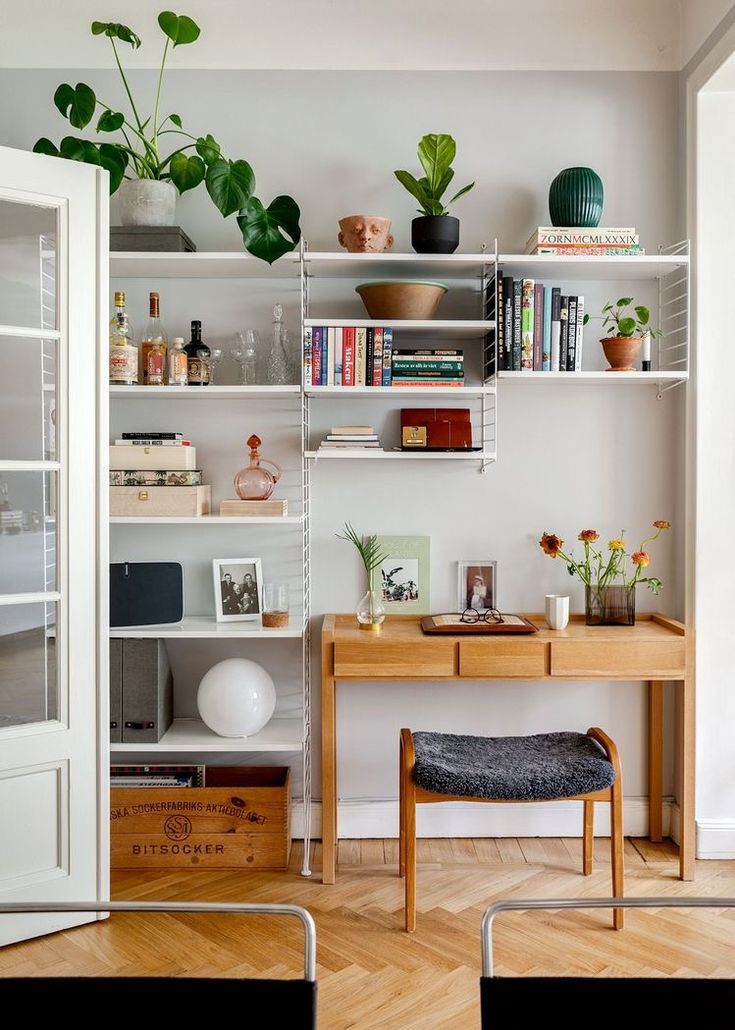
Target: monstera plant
<point>158,149</point>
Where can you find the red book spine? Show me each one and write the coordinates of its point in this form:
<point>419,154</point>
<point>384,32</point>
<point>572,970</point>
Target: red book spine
<point>348,356</point>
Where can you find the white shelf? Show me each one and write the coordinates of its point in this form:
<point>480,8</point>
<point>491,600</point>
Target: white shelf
<point>200,265</point>
<point>206,627</point>
<point>455,326</point>
<point>192,735</point>
<point>640,378</point>
<point>590,267</point>
<point>206,520</point>
<point>376,455</point>
<point>399,391</point>
<point>336,265</point>
<point>207,393</point>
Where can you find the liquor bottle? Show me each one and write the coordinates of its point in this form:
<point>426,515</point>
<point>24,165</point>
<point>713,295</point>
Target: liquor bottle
<point>155,364</point>
<point>154,331</point>
<point>177,363</point>
<point>123,352</point>
<point>197,357</point>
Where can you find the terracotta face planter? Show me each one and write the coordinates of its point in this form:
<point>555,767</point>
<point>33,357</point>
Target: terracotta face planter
<point>365,234</point>
<point>621,352</point>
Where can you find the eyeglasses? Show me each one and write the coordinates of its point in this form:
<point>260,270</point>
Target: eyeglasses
<point>472,615</point>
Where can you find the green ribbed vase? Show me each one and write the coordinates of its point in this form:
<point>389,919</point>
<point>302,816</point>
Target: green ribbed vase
<point>575,198</point>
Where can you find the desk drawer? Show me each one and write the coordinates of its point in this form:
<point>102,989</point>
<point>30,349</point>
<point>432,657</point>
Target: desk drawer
<point>375,657</point>
<point>623,659</point>
<point>502,659</point>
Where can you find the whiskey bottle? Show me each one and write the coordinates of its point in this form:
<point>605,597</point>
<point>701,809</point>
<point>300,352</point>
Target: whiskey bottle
<point>197,357</point>
<point>154,332</point>
<point>123,352</point>
<point>177,363</point>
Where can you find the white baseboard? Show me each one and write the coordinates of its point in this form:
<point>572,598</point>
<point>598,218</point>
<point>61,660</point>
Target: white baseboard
<point>715,838</point>
<point>370,819</point>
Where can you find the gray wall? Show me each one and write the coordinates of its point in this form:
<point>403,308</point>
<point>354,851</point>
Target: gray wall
<point>570,456</point>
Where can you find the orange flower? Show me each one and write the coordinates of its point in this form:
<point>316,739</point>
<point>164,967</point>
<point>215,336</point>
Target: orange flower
<point>662,524</point>
<point>640,558</point>
<point>617,544</point>
<point>589,535</point>
<point>551,544</point>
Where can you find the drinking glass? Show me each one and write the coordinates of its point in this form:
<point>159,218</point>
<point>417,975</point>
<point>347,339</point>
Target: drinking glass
<point>215,357</point>
<point>245,353</point>
<point>275,605</point>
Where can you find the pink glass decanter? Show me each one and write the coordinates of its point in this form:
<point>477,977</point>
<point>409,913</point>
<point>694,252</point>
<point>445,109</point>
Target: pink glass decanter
<point>255,483</point>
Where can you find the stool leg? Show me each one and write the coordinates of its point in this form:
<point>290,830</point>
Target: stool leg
<point>616,848</point>
<point>410,834</point>
<point>402,812</point>
<point>588,836</point>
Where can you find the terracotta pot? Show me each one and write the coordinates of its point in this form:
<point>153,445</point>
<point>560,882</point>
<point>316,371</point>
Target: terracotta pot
<point>399,300</point>
<point>621,351</point>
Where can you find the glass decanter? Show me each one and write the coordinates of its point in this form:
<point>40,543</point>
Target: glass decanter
<point>277,370</point>
<point>255,483</point>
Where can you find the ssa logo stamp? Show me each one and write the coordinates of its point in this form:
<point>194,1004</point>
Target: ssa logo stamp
<point>177,827</point>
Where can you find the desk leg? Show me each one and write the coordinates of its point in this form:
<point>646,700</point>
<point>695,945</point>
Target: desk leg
<point>329,767</point>
<point>687,842</point>
<point>655,758</point>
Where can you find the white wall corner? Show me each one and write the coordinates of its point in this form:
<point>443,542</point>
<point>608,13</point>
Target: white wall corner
<point>716,838</point>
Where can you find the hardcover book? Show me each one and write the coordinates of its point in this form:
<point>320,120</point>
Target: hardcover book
<point>580,335</point>
<point>564,325</point>
<point>538,326</point>
<point>527,317</point>
<point>348,356</point>
<point>572,334</point>
<point>508,320</point>
<point>546,346</point>
<point>377,365</point>
<point>387,373</point>
<point>555,328</point>
<point>338,356</point>
<point>316,356</point>
<point>307,355</point>
<point>517,308</point>
<point>360,355</point>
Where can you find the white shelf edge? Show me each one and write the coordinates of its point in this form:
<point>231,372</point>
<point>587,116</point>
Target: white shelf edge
<point>206,520</point>
<point>397,391</point>
<point>456,324</point>
<point>131,264</point>
<point>377,455</point>
<point>597,259</point>
<point>393,257</point>
<point>200,627</point>
<point>205,392</point>
<point>192,735</point>
<point>600,377</point>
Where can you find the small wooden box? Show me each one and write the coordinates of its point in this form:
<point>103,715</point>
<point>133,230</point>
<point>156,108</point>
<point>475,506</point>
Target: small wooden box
<point>160,500</point>
<point>150,237</point>
<point>246,825</point>
<point>172,459</point>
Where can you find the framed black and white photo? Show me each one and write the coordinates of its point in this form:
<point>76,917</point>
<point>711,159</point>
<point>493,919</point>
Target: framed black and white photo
<point>477,585</point>
<point>238,588</point>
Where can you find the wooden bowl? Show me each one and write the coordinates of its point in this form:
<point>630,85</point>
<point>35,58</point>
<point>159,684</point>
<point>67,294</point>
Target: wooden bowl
<point>394,301</point>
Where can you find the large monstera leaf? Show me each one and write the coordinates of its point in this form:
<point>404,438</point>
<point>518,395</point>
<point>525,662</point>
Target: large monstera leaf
<point>105,155</point>
<point>77,103</point>
<point>270,232</point>
<point>230,184</point>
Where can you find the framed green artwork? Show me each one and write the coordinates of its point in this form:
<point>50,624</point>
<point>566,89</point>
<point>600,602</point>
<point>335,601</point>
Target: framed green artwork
<point>402,578</point>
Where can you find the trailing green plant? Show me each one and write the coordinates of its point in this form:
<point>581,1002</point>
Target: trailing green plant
<point>436,153</point>
<point>267,232</point>
<point>616,323</point>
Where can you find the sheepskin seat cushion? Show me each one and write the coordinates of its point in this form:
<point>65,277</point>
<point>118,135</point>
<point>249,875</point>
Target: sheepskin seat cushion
<point>538,768</point>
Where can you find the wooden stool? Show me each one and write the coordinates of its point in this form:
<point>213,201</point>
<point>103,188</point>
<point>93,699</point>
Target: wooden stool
<point>438,767</point>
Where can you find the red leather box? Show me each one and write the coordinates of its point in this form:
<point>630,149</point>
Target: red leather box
<point>447,429</point>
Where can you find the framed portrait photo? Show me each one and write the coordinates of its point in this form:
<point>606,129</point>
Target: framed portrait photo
<point>477,584</point>
<point>238,589</point>
<point>402,579</point>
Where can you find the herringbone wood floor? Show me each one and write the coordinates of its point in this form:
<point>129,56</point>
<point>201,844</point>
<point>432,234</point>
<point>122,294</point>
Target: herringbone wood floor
<point>372,975</point>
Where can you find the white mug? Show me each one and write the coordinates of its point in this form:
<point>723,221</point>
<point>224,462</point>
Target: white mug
<point>557,610</point>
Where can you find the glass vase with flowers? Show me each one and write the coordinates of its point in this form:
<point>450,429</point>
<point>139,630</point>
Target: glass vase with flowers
<point>609,581</point>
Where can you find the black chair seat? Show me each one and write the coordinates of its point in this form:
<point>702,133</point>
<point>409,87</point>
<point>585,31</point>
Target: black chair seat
<point>536,768</point>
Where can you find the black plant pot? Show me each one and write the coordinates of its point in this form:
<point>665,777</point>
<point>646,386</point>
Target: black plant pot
<point>435,234</point>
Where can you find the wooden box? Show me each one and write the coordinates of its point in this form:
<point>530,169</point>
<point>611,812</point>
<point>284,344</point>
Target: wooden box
<point>241,820</point>
<point>160,500</point>
<point>150,237</point>
<point>172,459</point>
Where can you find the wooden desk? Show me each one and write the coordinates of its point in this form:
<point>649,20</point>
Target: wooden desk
<point>655,649</point>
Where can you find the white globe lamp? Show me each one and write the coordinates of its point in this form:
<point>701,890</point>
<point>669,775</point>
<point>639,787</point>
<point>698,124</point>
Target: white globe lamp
<point>236,698</point>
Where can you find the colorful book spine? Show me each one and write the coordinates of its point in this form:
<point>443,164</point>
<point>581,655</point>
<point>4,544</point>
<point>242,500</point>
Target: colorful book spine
<point>572,334</point>
<point>575,236</point>
<point>360,355</point>
<point>316,356</point>
<point>593,251</point>
<point>508,320</point>
<point>517,322</point>
<point>546,345</point>
<point>538,326</point>
<point>331,341</point>
<point>377,366</point>
<point>563,318</point>
<point>580,335</point>
<point>387,372</point>
<point>424,364</point>
<point>325,351</point>
<point>555,328</point>
<point>369,352</point>
<point>527,324</point>
<point>348,359</point>
<point>338,356</point>
<point>427,382</point>
<point>308,333</point>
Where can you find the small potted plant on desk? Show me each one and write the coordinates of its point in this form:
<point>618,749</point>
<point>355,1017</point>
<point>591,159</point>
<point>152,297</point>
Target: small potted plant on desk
<point>625,334</point>
<point>435,231</point>
<point>147,179</point>
<point>370,611</point>
<point>609,588</point>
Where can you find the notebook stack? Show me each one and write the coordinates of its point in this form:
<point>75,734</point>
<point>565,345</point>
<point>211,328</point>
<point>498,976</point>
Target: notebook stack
<point>351,438</point>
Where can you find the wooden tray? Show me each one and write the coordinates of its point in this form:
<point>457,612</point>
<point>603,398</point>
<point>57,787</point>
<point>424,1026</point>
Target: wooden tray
<point>450,624</point>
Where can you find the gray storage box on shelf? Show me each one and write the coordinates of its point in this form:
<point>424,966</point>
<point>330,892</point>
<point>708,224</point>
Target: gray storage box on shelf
<point>141,691</point>
<point>151,238</point>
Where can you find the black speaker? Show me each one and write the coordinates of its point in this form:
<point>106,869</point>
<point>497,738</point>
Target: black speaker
<point>148,593</point>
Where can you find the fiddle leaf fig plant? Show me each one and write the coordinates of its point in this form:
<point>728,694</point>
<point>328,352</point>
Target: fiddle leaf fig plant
<point>139,151</point>
<point>616,323</point>
<point>436,151</point>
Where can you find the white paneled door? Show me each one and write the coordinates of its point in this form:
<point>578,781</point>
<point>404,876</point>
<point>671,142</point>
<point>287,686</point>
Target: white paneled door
<point>53,760</point>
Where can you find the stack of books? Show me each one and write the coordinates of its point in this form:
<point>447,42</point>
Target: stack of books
<point>157,775</point>
<point>427,368</point>
<point>162,463</point>
<point>351,438</point>
<point>576,242</point>
<point>348,355</point>
<point>539,329</point>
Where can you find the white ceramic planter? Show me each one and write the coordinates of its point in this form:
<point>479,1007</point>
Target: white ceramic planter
<point>147,202</point>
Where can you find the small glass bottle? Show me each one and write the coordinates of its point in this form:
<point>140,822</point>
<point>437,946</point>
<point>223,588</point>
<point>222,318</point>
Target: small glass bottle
<point>197,353</point>
<point>177,363</point>
<point>154,333</point>
<point>155,364</point>
<point>123,352</point>
<point>277,371</point>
